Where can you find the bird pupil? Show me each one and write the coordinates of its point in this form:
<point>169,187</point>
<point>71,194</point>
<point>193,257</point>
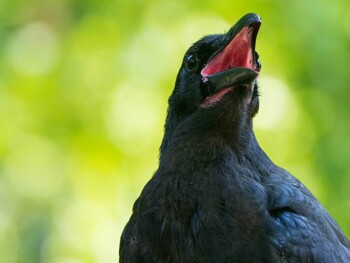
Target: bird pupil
<point>191,63</point>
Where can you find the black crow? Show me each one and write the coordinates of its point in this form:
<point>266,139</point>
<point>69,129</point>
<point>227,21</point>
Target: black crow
<point>216,196</point>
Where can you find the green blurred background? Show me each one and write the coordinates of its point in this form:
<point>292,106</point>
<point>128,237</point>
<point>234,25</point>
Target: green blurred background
<point>83,96</point>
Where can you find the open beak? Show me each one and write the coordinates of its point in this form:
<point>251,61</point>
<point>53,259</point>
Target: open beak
<point>236,63</point>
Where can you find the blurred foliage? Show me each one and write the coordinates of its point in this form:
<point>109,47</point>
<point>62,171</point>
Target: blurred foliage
<point>83,97</point>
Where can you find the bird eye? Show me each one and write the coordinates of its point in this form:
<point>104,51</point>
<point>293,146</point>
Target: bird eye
<point>191,62</point>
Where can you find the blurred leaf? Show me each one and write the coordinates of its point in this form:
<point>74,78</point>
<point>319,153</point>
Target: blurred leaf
<point>83,96</point>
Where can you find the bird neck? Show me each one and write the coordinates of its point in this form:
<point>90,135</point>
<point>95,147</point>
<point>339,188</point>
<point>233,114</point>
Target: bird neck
<point>230,126</point>
<point>200,148</point>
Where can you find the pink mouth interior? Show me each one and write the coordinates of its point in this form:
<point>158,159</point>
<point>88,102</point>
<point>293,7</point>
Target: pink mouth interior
<point>238,53</point>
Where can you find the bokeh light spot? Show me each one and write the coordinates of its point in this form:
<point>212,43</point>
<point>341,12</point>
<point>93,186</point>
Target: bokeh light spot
<point>132,115</point>
<point>33,49</point>
<point>277,107</point>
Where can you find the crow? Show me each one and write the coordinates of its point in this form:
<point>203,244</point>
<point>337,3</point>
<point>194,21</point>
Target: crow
<point>216,197</point>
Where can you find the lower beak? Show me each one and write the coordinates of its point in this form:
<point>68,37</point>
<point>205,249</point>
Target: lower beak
<point>229,78</point>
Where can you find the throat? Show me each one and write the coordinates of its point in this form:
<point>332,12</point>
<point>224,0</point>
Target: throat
<point>213,99</point>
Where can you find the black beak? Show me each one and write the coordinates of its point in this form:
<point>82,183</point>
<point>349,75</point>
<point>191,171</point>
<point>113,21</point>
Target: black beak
<point>236,62</point>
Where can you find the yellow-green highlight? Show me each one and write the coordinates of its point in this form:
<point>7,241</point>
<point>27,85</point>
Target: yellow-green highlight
<point>83,97</point>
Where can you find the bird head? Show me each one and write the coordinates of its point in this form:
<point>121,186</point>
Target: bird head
<point>216,84</point>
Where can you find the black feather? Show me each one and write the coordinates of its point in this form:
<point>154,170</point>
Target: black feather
<point>216,196</point>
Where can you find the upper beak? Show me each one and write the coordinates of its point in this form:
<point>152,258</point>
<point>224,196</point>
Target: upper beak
<point>236,62</point>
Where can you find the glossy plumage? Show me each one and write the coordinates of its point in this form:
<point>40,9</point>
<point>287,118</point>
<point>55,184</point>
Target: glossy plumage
<point>216,196</point>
